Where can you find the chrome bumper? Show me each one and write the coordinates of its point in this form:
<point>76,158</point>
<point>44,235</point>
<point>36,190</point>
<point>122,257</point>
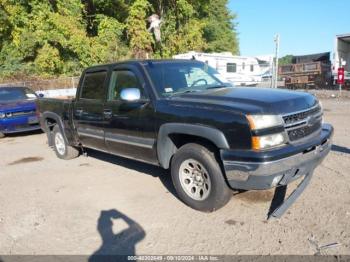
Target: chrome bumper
<point>259,174</point>
<point>255,175</point>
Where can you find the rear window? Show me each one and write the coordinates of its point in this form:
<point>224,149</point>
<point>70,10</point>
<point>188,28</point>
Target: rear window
<point>93,85</point>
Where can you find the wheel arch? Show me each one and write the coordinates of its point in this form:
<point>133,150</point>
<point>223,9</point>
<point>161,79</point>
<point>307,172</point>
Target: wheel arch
<point>167,145</point>
<point>49,120</point>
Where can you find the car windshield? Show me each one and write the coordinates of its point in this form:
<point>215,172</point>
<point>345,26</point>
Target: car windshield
<point>14,94</point>
<point>172,78</point>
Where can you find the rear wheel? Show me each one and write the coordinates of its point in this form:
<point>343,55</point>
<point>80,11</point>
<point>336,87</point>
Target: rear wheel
<point>198,178</point>
<point>62,149</point>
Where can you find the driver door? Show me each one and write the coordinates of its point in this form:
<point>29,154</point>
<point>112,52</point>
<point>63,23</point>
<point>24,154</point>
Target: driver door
<point>129,122</point>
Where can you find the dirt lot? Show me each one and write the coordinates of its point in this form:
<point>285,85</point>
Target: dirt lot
<point>106,204</point>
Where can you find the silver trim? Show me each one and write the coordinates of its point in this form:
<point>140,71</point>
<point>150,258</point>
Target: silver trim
<point>301,111</point>
<point>123,139</point>
<point>129,140</point>
<point>90,135</point>
<point>99,134</point>
<point>235,169</point>
<point>123,155</point>
<point>303,123</point>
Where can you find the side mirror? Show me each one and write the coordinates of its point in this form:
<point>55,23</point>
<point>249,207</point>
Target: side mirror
<point>41,95</point>
<point>130,94</point>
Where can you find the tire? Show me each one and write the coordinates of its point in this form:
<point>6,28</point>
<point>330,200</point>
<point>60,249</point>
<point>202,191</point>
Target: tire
<point>60,146</point>
<point>201,187</point>
<point>2,135</point>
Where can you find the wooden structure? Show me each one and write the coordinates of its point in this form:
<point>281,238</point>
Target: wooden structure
<point>307,71</point>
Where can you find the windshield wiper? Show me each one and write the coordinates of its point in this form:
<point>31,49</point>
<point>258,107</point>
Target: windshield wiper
<point>214,87</point>
<point>188,91</point>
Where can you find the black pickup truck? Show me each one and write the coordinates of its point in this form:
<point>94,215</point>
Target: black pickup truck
<point>182,116</point>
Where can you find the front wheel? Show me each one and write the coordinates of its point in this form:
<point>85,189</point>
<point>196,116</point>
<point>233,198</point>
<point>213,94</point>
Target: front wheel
<point>2,135</point>
<point>198,178</point>
<point>62,149</point>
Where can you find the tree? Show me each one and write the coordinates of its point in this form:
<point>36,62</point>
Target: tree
<point>219,29</point>
<point>59,37</point>
<point>140,39</point>
<point>285,60</point>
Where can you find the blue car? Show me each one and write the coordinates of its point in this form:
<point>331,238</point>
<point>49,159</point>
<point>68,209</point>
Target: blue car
<point>18,111</point>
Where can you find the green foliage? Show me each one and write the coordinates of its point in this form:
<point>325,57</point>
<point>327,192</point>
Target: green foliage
<point>286,60</point>
<point>140,39</point>
<point>187,37</point>
<point>59,37</point>
<point>219,29</point>
<point>48,60</point>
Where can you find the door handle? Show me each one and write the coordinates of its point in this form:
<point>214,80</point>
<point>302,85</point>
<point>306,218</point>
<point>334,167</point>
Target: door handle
<point>107,113</point>
<point>79,111</point>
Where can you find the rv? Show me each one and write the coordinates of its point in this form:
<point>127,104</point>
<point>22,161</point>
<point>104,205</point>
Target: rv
<point>239,70</point>
<point>341,57</point>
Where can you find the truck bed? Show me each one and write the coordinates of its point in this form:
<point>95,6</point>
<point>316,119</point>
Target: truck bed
<point>56,106</point>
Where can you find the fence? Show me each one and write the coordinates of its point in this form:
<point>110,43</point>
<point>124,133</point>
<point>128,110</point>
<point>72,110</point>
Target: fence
<point>47,84</point>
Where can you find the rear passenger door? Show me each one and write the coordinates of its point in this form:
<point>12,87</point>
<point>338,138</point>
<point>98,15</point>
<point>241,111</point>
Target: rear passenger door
<point>88,111</point>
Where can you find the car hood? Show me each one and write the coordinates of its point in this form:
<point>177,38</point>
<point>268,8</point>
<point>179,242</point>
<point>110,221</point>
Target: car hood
<point>15,106</point>
<point>252,100</point>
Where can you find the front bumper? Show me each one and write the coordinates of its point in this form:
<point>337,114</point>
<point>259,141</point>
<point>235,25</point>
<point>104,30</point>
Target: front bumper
<point>251,170</point>
<point>19,124</point>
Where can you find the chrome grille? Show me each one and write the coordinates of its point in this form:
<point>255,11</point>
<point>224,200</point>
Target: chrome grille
<point>304,123</point>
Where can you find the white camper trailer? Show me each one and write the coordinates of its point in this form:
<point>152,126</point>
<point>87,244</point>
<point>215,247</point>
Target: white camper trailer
<point>239,70</point>
<point>341,57</point>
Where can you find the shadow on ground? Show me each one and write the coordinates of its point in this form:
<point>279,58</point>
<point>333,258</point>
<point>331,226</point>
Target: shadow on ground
<point>340,149</point>
<point>154,171</point>
<point>122,243</point>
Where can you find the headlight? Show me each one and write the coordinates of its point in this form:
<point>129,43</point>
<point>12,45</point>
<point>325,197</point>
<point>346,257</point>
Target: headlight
<point>2,115</point>
<point>268,141</point>
<point>264,121</point>
<point>259,122</point>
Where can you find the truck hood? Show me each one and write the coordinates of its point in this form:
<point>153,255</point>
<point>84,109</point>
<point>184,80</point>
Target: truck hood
<point>15,106</point>
<point>252,100</point>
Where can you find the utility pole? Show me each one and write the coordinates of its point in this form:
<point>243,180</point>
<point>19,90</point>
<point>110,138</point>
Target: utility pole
<point>275,75</point>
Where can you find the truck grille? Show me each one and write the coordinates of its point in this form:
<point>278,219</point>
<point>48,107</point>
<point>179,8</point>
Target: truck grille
<point>302,124</point>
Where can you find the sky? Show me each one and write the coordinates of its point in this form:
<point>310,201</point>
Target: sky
<point>304,26</point>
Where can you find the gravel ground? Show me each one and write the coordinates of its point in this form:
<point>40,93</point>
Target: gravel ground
<point>106,204</point>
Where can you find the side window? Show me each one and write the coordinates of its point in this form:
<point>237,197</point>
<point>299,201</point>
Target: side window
<point>251,68</point>
<point>231,67</point>
<point>93,85</point>
<point>122,79</point>
<point>243,66</point>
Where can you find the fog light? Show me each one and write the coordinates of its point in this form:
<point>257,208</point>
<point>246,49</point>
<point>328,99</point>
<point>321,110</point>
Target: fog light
<point>276,180</point>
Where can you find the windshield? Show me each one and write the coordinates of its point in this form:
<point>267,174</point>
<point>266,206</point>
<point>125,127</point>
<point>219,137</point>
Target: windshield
<point>14,94</point>
<point>172,78</point>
